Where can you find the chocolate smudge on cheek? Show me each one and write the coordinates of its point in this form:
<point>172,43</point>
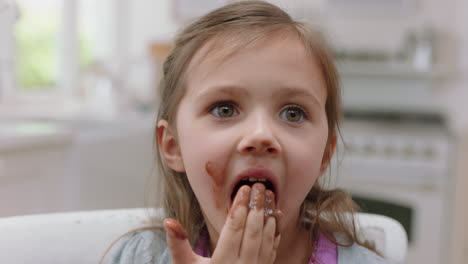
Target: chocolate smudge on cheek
<point>219,177</point>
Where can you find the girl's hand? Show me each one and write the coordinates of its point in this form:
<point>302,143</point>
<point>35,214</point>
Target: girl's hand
<point>248,236</point>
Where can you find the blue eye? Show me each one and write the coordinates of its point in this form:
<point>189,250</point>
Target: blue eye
<point>224,110</point>
<point>293,113</point>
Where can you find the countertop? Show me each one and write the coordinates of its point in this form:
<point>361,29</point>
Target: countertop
<point>20,133</point>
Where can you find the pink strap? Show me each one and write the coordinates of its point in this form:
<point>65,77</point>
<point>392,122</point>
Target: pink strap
<point>327,251</point>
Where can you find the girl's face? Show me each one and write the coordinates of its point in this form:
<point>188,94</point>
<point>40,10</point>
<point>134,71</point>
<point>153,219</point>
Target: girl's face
<point>258,113</point>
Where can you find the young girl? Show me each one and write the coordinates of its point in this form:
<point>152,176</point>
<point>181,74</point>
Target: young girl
<point>248,122</point>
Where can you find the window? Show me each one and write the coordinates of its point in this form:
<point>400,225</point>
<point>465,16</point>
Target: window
<point>37,37</point>
<point>56,41</point>
<point>88,31</point>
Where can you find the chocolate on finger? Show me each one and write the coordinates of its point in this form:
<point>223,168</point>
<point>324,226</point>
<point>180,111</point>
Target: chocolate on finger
<point>269,204</point>
<point>241,200</point>
<point>257,196</point>
<point>272,211</point>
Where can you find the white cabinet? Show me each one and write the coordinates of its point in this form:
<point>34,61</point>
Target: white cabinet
<point>31,180</point>
<point>76,166</point>
<point>112,166</point>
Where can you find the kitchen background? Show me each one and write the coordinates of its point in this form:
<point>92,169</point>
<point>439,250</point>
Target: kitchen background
<point>77,81</point>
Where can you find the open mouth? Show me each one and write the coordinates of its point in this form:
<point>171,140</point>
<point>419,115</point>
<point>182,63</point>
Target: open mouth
<point>251,181</point>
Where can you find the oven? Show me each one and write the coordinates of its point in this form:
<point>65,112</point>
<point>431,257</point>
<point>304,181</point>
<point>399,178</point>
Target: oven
<point>399,166</point>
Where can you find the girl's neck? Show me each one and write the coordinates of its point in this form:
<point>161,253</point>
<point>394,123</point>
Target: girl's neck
<point>295,247</point>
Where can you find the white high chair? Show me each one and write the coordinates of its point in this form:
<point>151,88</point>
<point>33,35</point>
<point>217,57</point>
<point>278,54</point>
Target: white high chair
<point>82,237</point>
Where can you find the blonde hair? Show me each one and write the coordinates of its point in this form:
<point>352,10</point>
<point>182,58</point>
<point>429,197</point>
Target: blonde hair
<point>230,28</point>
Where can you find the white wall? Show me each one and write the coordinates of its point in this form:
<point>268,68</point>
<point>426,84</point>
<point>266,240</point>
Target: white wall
<point>150,21</point>
<point>455,99</point>
<point>154,21</point>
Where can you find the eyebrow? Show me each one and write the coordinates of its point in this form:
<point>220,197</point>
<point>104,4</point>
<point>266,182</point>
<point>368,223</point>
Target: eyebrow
<point>232,90</point>
<point>290,91</point>
<point>282,92</point>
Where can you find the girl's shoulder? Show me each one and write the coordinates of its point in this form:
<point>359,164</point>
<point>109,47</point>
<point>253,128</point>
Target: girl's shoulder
<point>359,254</point>
<point>140,247</point>
<point>149,247</point>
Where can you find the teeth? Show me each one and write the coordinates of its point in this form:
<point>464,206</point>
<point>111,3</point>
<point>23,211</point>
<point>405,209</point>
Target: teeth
<point>257,179</point>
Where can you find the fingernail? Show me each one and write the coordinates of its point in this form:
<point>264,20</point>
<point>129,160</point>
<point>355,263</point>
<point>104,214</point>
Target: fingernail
<point>244,195</point>
<point>175,229</point>
<point>257,196</point>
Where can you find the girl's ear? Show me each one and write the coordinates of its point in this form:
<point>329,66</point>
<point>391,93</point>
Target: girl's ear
<point>168,146</point>
<point>328,154</point>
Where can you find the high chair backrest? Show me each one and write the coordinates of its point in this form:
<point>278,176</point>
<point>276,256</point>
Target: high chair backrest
<point>387,234</point>
<point>82,237</point>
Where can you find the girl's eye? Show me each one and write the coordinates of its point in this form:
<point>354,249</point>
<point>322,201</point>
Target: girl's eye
<point>293,113</point>
<point>224,110</point>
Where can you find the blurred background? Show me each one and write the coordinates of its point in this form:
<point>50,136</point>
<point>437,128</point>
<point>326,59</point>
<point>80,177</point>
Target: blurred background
<point>78,80</point>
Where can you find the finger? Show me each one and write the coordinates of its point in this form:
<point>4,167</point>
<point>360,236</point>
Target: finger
<point>268,239</point>
<point>278,214</point>
<point>230,239</point>
<point>266,248</point>
<point>275,248</point>
<point>269,204</point>
<point>177,240</point>
<point>270,210</point>
<point>252,239</point>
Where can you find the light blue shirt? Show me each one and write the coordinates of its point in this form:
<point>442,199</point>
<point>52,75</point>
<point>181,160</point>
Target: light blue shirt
<point>149,247</point>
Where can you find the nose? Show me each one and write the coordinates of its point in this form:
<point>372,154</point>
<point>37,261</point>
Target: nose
<point>259,137</point>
